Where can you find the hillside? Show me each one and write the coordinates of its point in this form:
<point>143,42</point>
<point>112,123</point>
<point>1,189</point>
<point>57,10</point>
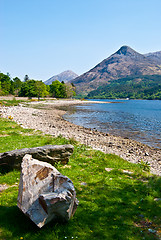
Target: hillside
<point>141,87</point>
<point>65,76</point>
<point>155,56</point>
<point>123,63</point>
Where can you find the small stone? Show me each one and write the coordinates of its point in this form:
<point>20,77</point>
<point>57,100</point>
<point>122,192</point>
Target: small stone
<point>3,187</point>
<point>146,154</point>
<point>152,230</point>
<point>108,169</point>
<point>84,184</point>
<point>157,199</point>
<point>131,151</point>
<point>127,171</point>
<point>141,215</point>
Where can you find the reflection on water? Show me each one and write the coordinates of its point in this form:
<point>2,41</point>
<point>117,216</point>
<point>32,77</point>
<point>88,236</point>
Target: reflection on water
<point>136,119</point>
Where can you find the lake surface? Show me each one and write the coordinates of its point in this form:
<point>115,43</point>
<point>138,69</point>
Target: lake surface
<point>136,119</point>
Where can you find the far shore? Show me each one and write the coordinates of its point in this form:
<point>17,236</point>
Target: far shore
<point>46,116</point>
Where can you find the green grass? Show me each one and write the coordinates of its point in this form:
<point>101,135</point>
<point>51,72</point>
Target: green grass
<point>15,102</point>
<point>12,102</point>
<point>113,205</point>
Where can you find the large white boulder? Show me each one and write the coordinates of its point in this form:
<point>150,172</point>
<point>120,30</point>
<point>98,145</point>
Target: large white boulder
<point>44,193</point>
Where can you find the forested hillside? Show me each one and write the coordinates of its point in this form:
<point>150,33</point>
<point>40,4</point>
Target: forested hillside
<point>141,87</point>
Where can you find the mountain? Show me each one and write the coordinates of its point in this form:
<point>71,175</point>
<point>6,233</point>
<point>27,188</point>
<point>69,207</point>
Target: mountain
<point>155,56</point>
<point>125,62</point>
<point>65,76</point>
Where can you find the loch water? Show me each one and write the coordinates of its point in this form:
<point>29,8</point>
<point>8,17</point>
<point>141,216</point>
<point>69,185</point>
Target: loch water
<point>139,120</point>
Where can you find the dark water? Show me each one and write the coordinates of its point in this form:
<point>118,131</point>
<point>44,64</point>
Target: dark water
<point>136,119</point>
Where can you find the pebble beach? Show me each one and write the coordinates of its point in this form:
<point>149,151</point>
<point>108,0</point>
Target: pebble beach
<point>47,117</point>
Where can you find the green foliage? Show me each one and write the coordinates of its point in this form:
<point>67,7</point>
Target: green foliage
<point>8,86</point>
<point>112,204</point>
<point>145,166</point>
<point>28,89</point>
<point>17,85</point>
<point>33,88</point>
<point>41,89</point>
<point>141,87</point>
<point>5,84</point>
<point>62,90</point>
<point>58,90</point>
<point>15,137</point>
<point>10,178</point>
<point>70,90</point>
<point>12,102</point>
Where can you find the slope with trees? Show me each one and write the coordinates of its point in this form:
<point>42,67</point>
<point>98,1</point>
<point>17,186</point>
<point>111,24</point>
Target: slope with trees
<point>141,87</point>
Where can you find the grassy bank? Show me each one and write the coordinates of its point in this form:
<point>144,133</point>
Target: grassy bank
<point>117,199</point>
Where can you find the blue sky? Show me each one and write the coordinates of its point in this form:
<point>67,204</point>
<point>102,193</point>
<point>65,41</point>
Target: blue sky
<point>42,38</point>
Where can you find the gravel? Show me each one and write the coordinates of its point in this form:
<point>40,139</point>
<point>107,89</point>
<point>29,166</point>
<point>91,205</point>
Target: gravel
<point>47,118</point>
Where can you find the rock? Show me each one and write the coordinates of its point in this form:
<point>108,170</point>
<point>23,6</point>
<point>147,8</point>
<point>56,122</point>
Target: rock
<point>152,230</point>
<point>3,187</point>
<point>127,171</point>
<point>157,199</point>
<point>108,169</point>
<point>44,193</point>
<point>146,154</point>
<point>131,151</point>
<point>48,153</point>
<point>83,183</point>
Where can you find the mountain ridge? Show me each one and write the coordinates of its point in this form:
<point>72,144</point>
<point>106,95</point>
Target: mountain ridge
<point>124,62</point>
<point>156,56</point>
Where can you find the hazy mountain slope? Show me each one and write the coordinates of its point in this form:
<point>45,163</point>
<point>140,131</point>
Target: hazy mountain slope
<point>64,76</point>
<point>125,62</point>
<point>155,56</point>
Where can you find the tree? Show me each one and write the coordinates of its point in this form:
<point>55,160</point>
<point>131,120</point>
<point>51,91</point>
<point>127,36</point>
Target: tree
<point>12,88</point>
<point>0,89</point>
<point>8,74</point>
<point>70,90</point>
<point>17,85</point>
<point>5,84</point>
<point>33,88</point>
<point>58,89</point>
<point>41,89</point>
<point>28,89</point>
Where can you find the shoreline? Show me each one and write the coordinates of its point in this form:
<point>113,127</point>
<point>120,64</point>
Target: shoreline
<point>47,117</point>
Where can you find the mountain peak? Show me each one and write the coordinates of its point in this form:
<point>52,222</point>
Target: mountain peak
<point>127,51</point>
<point>125,62</point>
<point>65,76</point>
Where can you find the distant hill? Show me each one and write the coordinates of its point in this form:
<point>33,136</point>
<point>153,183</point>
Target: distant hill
<point>123,63</point>
<point>65,76</point>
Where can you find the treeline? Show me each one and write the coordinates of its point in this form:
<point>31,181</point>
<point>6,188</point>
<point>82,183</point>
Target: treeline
<point>34,88</point>
<point>141,87</point>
